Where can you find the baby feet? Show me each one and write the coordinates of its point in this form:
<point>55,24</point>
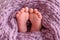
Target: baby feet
<point>35,18</point>
<point>22,17</point>
<point>33,15</point>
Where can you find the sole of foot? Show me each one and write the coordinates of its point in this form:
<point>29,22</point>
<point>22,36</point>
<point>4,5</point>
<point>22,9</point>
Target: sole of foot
<point>35,18</point>
<point>22,16</point>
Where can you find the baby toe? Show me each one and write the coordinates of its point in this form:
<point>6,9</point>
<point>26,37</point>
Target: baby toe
<point>22,10</point>
<point>31,10</point>
<point>26,9</point>
<point>17,14</point>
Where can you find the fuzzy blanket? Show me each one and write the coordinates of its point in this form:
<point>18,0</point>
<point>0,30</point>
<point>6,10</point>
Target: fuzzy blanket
<point>50,10</point>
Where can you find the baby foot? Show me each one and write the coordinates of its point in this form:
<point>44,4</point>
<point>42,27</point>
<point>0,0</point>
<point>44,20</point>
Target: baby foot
<point>22,17</point>
<point>35,18</point>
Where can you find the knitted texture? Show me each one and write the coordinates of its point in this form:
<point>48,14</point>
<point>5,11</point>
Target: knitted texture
<point>50,10</point>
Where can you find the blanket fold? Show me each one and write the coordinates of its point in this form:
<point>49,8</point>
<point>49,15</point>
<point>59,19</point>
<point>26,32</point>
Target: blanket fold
<point>50,10</point>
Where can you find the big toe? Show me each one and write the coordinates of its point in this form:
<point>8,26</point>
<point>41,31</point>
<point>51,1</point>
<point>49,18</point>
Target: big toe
<point>31,13</point>
<point>31,10</point>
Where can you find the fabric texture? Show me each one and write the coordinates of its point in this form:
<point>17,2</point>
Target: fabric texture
<point>50,10</point>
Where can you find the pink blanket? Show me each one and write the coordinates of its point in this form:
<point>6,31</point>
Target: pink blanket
<point>50,10</point>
